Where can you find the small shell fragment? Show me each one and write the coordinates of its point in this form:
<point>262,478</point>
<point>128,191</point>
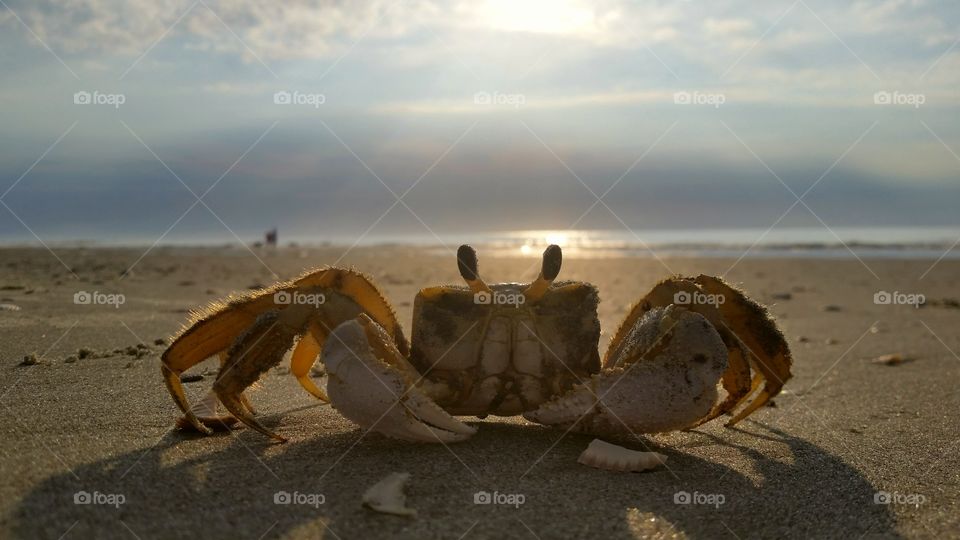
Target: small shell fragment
<point>611,457</point>
<point>386,496</point>
<point>894,359</point>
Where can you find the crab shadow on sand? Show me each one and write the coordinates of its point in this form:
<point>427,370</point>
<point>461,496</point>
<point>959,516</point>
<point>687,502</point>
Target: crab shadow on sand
<point>226,486</point>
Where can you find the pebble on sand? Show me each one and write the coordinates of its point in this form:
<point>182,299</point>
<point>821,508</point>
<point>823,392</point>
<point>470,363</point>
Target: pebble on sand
<point>30,360</point>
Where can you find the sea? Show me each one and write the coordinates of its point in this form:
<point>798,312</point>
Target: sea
<point>803,242</point>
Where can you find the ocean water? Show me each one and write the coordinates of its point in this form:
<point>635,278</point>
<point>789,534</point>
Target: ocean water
<point>837,242</point>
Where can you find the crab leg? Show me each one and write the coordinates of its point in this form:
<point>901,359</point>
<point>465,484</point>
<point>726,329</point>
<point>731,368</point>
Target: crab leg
<point>199,343</point>
<point>303,358</point>
<point>752,338</point>
<point>267,340</point>
<point>206,410</point>
<point>372,384</point>
<point>749,321</point>
<point>223,324</point>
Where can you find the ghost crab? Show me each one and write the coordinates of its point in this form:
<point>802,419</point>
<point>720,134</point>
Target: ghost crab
<point>502,349</point>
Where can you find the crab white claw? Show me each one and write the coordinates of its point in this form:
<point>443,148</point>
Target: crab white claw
<point>373,385</point>
<point>665,378</point>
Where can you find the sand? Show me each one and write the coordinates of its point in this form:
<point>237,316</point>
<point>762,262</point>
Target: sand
<point>845,431</point>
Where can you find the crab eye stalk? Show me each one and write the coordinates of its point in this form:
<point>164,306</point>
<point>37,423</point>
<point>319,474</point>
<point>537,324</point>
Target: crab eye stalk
<point>549,269</point>
<point>470,269</point>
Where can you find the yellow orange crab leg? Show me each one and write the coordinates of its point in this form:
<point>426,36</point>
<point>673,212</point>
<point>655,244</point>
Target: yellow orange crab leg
<point>304,357</point>
<point>266,341</point>
<point>223,324</point>
<point>752,324</point>
<point>753,341</point>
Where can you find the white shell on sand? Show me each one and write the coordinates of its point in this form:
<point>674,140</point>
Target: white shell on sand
<point>604,455</point>
<point>386,496</point>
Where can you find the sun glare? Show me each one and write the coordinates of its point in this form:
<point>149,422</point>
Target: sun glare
<point>534,242</point>
<point>559,239</point>
<point>542,16</point>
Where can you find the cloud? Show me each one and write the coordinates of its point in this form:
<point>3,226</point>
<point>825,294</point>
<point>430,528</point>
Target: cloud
<point>308,29</point>
<point>681,32</point>
<point>597,79</point>
<point>295,29</point>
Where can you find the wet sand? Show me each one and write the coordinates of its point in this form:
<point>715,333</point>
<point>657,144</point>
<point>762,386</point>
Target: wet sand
<point>845,432</point>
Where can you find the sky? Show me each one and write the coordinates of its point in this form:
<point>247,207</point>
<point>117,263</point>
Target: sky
<point>198,120</point>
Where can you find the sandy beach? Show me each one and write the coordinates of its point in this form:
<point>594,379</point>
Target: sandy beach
<point>91,414</point>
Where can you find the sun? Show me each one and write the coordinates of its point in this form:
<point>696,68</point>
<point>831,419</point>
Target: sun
<point>559,239</point>
<point>539,16</point>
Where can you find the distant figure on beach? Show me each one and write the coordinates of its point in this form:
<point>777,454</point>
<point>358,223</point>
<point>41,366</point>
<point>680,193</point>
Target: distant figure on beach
<point>271,237</point>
